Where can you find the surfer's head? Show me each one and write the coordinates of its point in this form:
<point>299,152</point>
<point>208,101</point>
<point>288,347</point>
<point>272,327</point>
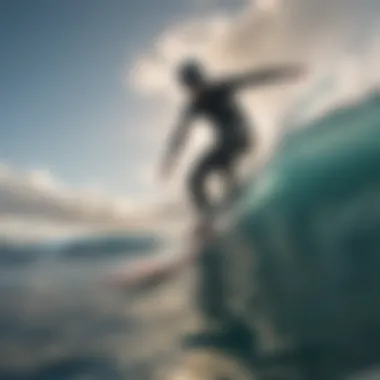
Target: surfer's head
<point>191,75</point>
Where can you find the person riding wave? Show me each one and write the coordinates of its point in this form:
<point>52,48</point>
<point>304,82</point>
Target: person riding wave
<point>216,102</point>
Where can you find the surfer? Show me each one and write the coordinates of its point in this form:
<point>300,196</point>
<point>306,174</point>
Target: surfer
<point>215,101</point>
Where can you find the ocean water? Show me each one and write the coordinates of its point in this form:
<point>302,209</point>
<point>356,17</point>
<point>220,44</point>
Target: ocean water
<point>60,319</point>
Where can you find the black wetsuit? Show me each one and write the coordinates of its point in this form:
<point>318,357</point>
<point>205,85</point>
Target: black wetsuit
<point>217,105</point>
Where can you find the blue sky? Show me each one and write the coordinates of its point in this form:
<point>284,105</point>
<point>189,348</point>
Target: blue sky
<point>64,100</point>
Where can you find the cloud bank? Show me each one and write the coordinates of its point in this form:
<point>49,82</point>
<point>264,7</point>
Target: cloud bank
<point>36,204</point>
<point>264,31</point>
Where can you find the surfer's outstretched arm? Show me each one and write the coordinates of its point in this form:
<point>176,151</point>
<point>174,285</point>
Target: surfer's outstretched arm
<point>267,76</point>
<point>176,141</point>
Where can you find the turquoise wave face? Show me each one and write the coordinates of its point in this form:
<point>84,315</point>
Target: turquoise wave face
<point>311,220</point>
<point>335,154</point>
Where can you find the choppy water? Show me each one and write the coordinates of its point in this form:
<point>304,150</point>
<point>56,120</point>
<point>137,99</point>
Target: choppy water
<point>59,320</point>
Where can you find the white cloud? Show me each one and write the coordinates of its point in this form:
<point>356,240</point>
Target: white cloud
<point>337,38</point>
<point>29,228</point>
<point>264,31</point>
<point>42,179</point>
<point>269,5</point>
<point>35,204</point>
